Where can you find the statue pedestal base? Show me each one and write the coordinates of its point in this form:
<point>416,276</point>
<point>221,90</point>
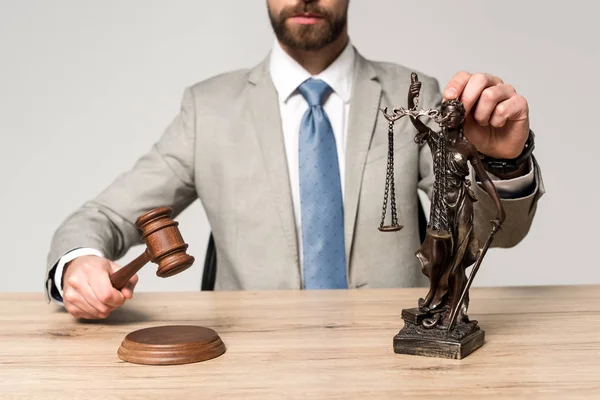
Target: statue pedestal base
<point>415,339</point>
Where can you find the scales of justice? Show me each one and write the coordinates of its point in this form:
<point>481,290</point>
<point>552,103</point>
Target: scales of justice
<point>439,325</point>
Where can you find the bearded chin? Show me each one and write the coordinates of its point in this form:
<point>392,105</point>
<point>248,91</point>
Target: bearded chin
<point>308,37</point>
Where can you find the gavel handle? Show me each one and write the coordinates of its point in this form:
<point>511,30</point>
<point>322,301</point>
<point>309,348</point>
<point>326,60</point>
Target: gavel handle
<point>122,276</point>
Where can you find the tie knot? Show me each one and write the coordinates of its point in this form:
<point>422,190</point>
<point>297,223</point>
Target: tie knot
<point>314,91</point>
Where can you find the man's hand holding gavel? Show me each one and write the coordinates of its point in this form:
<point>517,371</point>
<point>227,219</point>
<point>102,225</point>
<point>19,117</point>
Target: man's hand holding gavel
<point>87,290</point>
<point>93,286</point>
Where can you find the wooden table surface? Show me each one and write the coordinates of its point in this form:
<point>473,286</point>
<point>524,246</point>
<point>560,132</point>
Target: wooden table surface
<point>541,343</point>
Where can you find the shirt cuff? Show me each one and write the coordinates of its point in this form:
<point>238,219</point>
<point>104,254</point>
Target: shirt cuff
<point>70,256</point>
<point>514,188</point>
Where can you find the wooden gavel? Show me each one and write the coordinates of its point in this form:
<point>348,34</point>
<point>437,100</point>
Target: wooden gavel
<point>165,247</point>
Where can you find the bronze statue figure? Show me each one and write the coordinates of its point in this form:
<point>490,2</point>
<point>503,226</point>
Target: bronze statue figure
<point>450,244</point>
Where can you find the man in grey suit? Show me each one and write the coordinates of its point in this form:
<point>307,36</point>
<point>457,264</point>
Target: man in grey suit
<point>288,159</point>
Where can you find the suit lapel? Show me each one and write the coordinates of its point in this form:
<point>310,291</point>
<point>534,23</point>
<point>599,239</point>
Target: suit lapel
<point>364,109</point>
<point>266,118</point>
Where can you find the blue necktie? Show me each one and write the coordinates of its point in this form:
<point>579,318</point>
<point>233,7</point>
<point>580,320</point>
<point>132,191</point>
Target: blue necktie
<point>321,201</point>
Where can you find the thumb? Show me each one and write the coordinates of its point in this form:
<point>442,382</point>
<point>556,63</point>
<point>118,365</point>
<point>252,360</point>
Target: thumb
<point>113,267</point>
<point>127,290</point>
<point>413,77</point>
<point>129,287</point>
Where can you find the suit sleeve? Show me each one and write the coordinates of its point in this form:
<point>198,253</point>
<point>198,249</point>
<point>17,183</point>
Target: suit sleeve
<point>164,176</point>
<point>520,211</point>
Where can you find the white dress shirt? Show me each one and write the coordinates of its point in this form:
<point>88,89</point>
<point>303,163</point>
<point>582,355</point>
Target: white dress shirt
<point>287,75</point>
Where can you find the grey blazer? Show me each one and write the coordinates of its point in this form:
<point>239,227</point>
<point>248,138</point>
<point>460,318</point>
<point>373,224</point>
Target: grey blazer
<point>226,148</point>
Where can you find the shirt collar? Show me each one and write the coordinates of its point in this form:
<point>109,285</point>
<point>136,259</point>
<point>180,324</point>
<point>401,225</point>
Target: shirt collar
<point>287,74</point>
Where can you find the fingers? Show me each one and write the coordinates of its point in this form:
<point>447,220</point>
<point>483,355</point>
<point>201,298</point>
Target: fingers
<point>99,291</point>
<point>88,292</point>
<point>457,84</point>
<point>77,312</point>
<point>489,99</point>
<point>475,87</point>
<point>77,306</point>
<point>86,297</point>
<point>469,87</point>
<point>514,109</point>
<point>497,118</point>
<point>103,296</point>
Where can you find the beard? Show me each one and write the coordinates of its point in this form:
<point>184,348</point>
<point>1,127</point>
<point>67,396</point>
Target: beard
<point>308,37</point>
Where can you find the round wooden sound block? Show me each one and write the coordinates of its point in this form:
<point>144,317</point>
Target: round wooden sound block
<point>170,345</point>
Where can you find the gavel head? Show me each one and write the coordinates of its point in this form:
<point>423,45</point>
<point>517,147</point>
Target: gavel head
<point>165,246</point>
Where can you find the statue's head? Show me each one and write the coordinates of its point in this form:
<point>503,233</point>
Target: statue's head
<point>452,113</point>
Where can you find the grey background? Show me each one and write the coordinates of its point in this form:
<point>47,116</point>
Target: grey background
<point>88,86</point>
